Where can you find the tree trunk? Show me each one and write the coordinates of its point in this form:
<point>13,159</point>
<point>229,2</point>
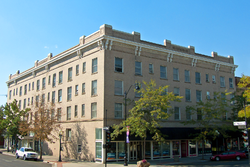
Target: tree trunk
<point>144,148</point>
<point>203,149</point>
<point>41,150</point>
<point>8,145</point>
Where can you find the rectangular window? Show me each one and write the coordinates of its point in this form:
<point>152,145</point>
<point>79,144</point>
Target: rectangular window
<point>207,77</point>
<point>54,80</point>
<point>20,93</point>
<point>29,86</point>
<point>79,148</point>
<point>10,94</point>
<point>68,134</point>
<point>19,104</point>
<point>43,83</point>
<point>69,91</point>
<point>60,77</point>
<point>76,110</point>
<point>163,72</point>
<point>208,95</point>
<point>83,109</point>
<point>98,133</point>
<point>69,113</point>
<point>94,88</point>
<point>43,99</point>
<point>223,97</point>
<point>76,90</point>
<point>188,94</point>
<point>188,114</point>
<point>98,148</point>
<point>138,68</point>
<point>198,96</point>
<point>176,74</point>
<point>177,91</point>
<point>197,77</point>
<point>77,69</point>
<point>70,74</point>
<point>222,82</point>
<point>176,113</point>
<point>37,100</point>
<point>37,85</point>
<point>118,64</point>
<point>48,96</point>
<point>83,67</point>
<point>151,68</point>
<point>231,84</point>
<point>60,95</point>
<point>94,65</point>
<point>53,97</point>
<point>187,76</point>
<point>49,80</point>
<point>24,103</point>
<point>59,114</point>
<point>28,101</point>
<point>16,91</point>
<point>32,100</point>
<point>199,114</point>
<point>118,87</point>
<point>93,110</point>
<point>213,79</point>
<point>232,100</point>
<point>83,88</point>
<point>25,89</point>
<point>118,110</point>
<point>33,85</point>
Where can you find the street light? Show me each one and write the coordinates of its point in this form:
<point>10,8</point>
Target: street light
<point>60,136</point>
<point>125,96</point>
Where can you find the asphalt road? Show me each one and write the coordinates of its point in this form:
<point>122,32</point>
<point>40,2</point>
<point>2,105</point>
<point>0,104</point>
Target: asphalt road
<point>11,161</point>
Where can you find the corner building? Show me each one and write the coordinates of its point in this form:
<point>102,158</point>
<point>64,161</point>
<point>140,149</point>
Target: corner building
<point>90,78</point>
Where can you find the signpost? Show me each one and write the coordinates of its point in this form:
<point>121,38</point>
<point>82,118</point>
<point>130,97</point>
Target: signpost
<point>239,123</point>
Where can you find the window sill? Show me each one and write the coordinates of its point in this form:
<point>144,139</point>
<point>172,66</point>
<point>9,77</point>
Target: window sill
<point>151,73</point>
<point>94,95</point>
<point>60,83</point>
<point>70,80</point>
<point>76,94</point>
<point>187,82</point>
<point>164,78</point>
<point>118,95</point>
<point>176,80</point>
<point>84,72</point>
<point>119,72</point>
<point>83,93</point>
<point>69,100</point>
<point>188,101</point>
<point>198,83</point>
<point>77,74</point>
<point>93,73</point>
<point>139,75</point>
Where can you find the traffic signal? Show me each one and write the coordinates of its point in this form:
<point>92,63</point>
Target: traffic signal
<point>108,137</point>
<point>244,135</point>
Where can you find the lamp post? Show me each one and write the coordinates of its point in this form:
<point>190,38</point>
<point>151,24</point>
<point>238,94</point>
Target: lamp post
<point>60,136</point>
<point>125,117</point>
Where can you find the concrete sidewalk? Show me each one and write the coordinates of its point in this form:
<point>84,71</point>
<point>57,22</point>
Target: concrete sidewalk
<point>154,163</point>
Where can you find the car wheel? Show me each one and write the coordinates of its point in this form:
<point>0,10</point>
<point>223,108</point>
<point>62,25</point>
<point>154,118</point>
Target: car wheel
<point>238,158</point>
<point>217,158</point>
<point>17,156</point>
<point>24,157</point>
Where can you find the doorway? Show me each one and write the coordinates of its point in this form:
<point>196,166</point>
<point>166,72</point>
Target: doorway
<point>184,149</point>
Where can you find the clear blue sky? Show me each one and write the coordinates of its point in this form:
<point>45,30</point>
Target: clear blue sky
<point>30,29</point>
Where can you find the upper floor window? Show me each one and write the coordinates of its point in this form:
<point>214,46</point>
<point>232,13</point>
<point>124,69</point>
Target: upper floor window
<point>118,87</point>
<point>19,104</point>
<point>118,64</point>
<point>93,110</point>
<point>76,110</point>
<point>76,90</point>
<point>68,134</point>
<point>138,68</point>
<point>54,80</point>
<point>177,91</point>
<point>53,97</point>
<point>222,82</point>
<point>70,74</point>
<point>69,113</point>
<point>83,109</point>
<point>151,68</point>
<point>20,91</point>
<point>118,110</point>
<point>16,91</point>
<point>187,76</point>
<point>60,95</point>
<point>37,100</point>
<point>60,77</point>
<point>84,67</point>
<point>25,89</point>
<point>59,114</point>
<point>94,65</point>
<point>48,96</point>
<point>197,77</point>
<point>198,96</point>
<point>43,83</point>
<point>29,86</point>
<point>10,94</point>
<point>208,95</point>
<point>213,79</point>
<point>49,80</point>
<point>69,91</point>
<point>37,84</point>
<point>188,114</point>
<point>199,114</point>
<point>176,113</point>
<point>207,77</point>
<point>83,88</point>
<point>231,84</point>
<point>43,99</point>
<point>77,69</point>
<point>187,94</point>
<point>33,85</point>
<point>163,72</point>
<point>176,74</point>
<point>94,88</point>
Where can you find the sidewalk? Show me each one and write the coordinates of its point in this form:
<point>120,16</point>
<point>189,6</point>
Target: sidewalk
<point>154,163</point>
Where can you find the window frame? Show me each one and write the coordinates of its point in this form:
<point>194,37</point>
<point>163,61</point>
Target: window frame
<point>118,67</point>
<point>188,95</point>
<point>118,112</point>
<point>176,74</point>
<point>138,68</point>
<point>93,110</point>
<point>94,65</point>
<point>197,77</point>
<point>60,80</point>
<point>151,69</point>
<point>198,94</point>
<point>120,89</point>
<point>175,113</point>
<point>69,93</point>
<point>94,88</point>
<point>222,82</point>
<point>70,70</point>
<point>163,72</point>
<point>68,113</point>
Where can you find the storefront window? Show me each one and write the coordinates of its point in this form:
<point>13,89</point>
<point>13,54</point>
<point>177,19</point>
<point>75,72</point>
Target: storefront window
<point>208,148</point>
<point>176,148</point>
<point>111,151</point>
<point>98,150</point>
<point>121,150</point>
<point>166,149</point>
<point>192,147</point>
<point>156,149</point>
<point>148,150</point>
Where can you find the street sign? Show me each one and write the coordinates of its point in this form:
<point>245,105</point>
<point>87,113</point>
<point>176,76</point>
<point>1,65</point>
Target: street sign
<point>239,123</point>
<point>106,128</point>
<point>241,126</point>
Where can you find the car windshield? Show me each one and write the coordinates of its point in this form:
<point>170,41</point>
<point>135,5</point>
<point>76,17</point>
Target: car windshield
<point>28,149</point>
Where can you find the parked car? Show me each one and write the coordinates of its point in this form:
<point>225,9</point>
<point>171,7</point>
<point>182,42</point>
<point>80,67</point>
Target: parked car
<point>26,153</point>
<point>229,155</point>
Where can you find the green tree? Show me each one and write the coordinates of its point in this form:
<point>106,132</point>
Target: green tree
<point>148,112</point>
<point>245,85</point>
<point>210,118</point>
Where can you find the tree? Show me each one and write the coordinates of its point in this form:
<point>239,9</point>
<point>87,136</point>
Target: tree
<point>43,123</point>
<point>210,118</point>
<point>12,115</point>
<point>148,112</point>
<point>245,84</point>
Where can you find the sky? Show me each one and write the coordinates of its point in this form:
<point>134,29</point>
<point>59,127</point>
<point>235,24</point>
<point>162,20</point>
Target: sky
<point>30,30</point>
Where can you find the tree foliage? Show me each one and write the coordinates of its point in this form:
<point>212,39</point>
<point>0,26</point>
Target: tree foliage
<point>148,112</point>
<point>245,84</point>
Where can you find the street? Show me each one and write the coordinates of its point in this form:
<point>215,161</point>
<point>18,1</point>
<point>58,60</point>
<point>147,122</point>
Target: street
<point>11,161</point>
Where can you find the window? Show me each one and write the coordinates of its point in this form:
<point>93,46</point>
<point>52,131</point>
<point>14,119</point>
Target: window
<point>76,110</point>
<point>213,79</point>
<point>70,74</point>
<point>31,100</point>
<point>37,85</point>
<point>52,114</point>
<point>94,65</point>
<point>49,80</point>
<point>79,148</point>
<point>53,97</point>
<point>68,134</point>
<point>198,96</point>
<point>197,77</point>
<point>138,68</point>
<point>69,91</point>
<point>20,93</point>
<point>199,114</point>
<point>163,72</point>
<point>19,104</point>
<point>177,91</point>
<point>164,92</point>
<point>25,89</point>
<point>93,110</point>
<point>29,86</point>
<point>48,96</point>
<point>118,87</point>
<point>43,83</point>
<point>59,112</point>
<point>60,77</point>
<point>176,113</point>
<point>118,64</point>
<point>207,77</point>
<point>43,99</point>
<point>98,134</point>
<point>151,68</point>
<point>76,90</point>
<point>10,94</point>
<point>83,109</point>
<point>188,114</point>
<point>188,94</point>
<point>37,100</point>
<point>54,80</point>
<point>231,85</point>
<point>24,103</point>
<point>33,85</point>
<point>69,113</point>
<point>118,110</point>
<point>94,88</point>
<point>77,69</point>
<point>187,76</point>
<point>83,67</point>
<point>232,99</point>
<point>16,91</point>
<point>83,88</point>
<point>222,82</point>
<point>98,151</point>
<point>208,95</point>
<point>28,101</point>
<point>60,95</point>
<point>223,97</point>
<point>176,74</point>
